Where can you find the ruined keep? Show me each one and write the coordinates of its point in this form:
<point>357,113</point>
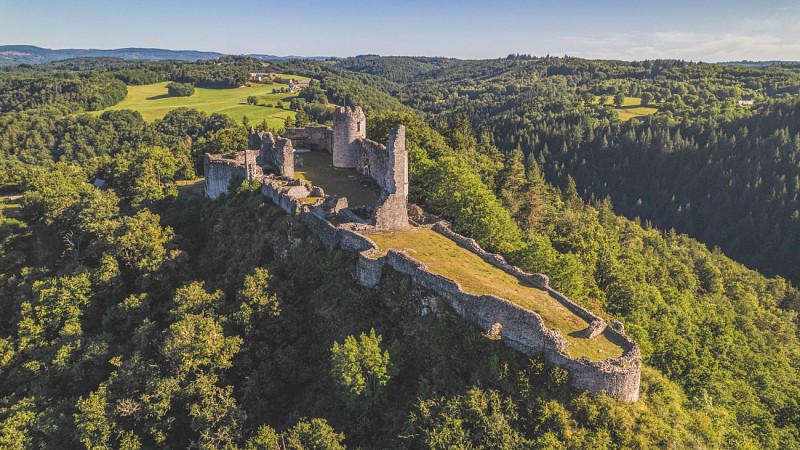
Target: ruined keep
<point>271,161</point>
<point>349,127</point>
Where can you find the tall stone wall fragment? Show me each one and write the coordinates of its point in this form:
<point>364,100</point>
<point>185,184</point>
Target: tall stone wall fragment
<point>392,208</point>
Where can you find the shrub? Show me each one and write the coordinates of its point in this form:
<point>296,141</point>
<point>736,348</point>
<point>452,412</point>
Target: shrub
<point>180,89</point>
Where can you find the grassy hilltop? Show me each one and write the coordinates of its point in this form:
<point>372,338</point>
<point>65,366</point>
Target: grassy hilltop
<point>152,101</point>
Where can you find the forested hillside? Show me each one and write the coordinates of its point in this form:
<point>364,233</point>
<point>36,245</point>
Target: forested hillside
<point>145,316</point>
<point>726,174</point>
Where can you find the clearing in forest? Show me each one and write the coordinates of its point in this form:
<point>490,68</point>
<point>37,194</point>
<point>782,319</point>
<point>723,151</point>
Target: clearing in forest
<point>152,101</point>
<point>443,256</point>
<point>631,107</point>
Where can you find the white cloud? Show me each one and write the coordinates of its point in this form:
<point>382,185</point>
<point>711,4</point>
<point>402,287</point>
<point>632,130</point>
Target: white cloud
<point>688,46</point>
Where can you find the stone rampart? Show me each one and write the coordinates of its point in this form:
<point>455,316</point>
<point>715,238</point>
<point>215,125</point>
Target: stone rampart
<point>327,233</point>
<point>537,279</point>
<point>522,329</point>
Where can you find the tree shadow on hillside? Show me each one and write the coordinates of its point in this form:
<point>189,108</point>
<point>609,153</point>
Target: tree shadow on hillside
<point>158,97</point>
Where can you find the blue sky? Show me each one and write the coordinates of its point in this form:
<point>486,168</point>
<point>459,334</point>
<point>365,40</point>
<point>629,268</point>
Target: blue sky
<point>696,30</point>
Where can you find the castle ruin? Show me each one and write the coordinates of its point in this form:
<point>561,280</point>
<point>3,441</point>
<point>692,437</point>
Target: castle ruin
<point>346,142</point>
<point>346,151</point>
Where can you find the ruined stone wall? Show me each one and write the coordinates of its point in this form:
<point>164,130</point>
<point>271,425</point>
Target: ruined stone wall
<point>372,160</point>
<point>392,207</point>
<point>283,157</point>
<point>537,279</point>
<point>276,154</point>
<point>313,138</point>
<point>522,329</point>
<point>349,125</point>
<point>218,173</point>
<point>266,144</point>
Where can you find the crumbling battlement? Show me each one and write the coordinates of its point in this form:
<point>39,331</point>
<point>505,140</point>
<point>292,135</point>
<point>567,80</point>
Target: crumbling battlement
<point>522,329</point>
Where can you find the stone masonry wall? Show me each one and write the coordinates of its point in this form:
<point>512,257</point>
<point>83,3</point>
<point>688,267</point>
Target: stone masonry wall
<point>276,154</point>
<point>522,329</point>
<point>283,157</point>
<point>312,138</point>
<point>392,206</point>
<point>372,159</point>
<point>218,173</point>
<point>537,279</point>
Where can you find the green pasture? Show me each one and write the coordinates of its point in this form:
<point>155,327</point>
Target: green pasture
<point>152,102</point>
<point>631,107</point>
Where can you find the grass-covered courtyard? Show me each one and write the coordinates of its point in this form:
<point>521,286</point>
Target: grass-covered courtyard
<point>318,169</point>
<point>443,256</point>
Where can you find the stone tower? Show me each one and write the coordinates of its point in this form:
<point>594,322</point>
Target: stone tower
<point>349,125</point>
<point>392,208</point>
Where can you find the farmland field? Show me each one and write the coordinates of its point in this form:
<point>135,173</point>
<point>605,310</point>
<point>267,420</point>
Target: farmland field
<point>152,102</point>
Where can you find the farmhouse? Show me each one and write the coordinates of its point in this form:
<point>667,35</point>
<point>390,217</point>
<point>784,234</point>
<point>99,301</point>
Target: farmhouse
<point>295,86</point>
<point>261,76</point>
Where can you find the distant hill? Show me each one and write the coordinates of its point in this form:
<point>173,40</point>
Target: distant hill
<point>754,63</point>
<point>13,55</point>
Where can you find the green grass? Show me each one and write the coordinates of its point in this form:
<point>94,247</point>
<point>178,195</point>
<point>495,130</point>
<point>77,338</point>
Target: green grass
<point>631,107</point>
<point>195,186</point>
<point>318,169</point>
<point>152,102</point>
<point>445,257</point>
<point>309,200</point>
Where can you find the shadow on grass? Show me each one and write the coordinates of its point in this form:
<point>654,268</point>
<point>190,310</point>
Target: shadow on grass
<point>635,107</point>
<point>158,97</point>
<point>580,334</point>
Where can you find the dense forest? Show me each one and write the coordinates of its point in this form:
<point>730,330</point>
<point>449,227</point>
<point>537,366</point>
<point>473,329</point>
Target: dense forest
<point>145,316</point>
<point>726,174</point>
